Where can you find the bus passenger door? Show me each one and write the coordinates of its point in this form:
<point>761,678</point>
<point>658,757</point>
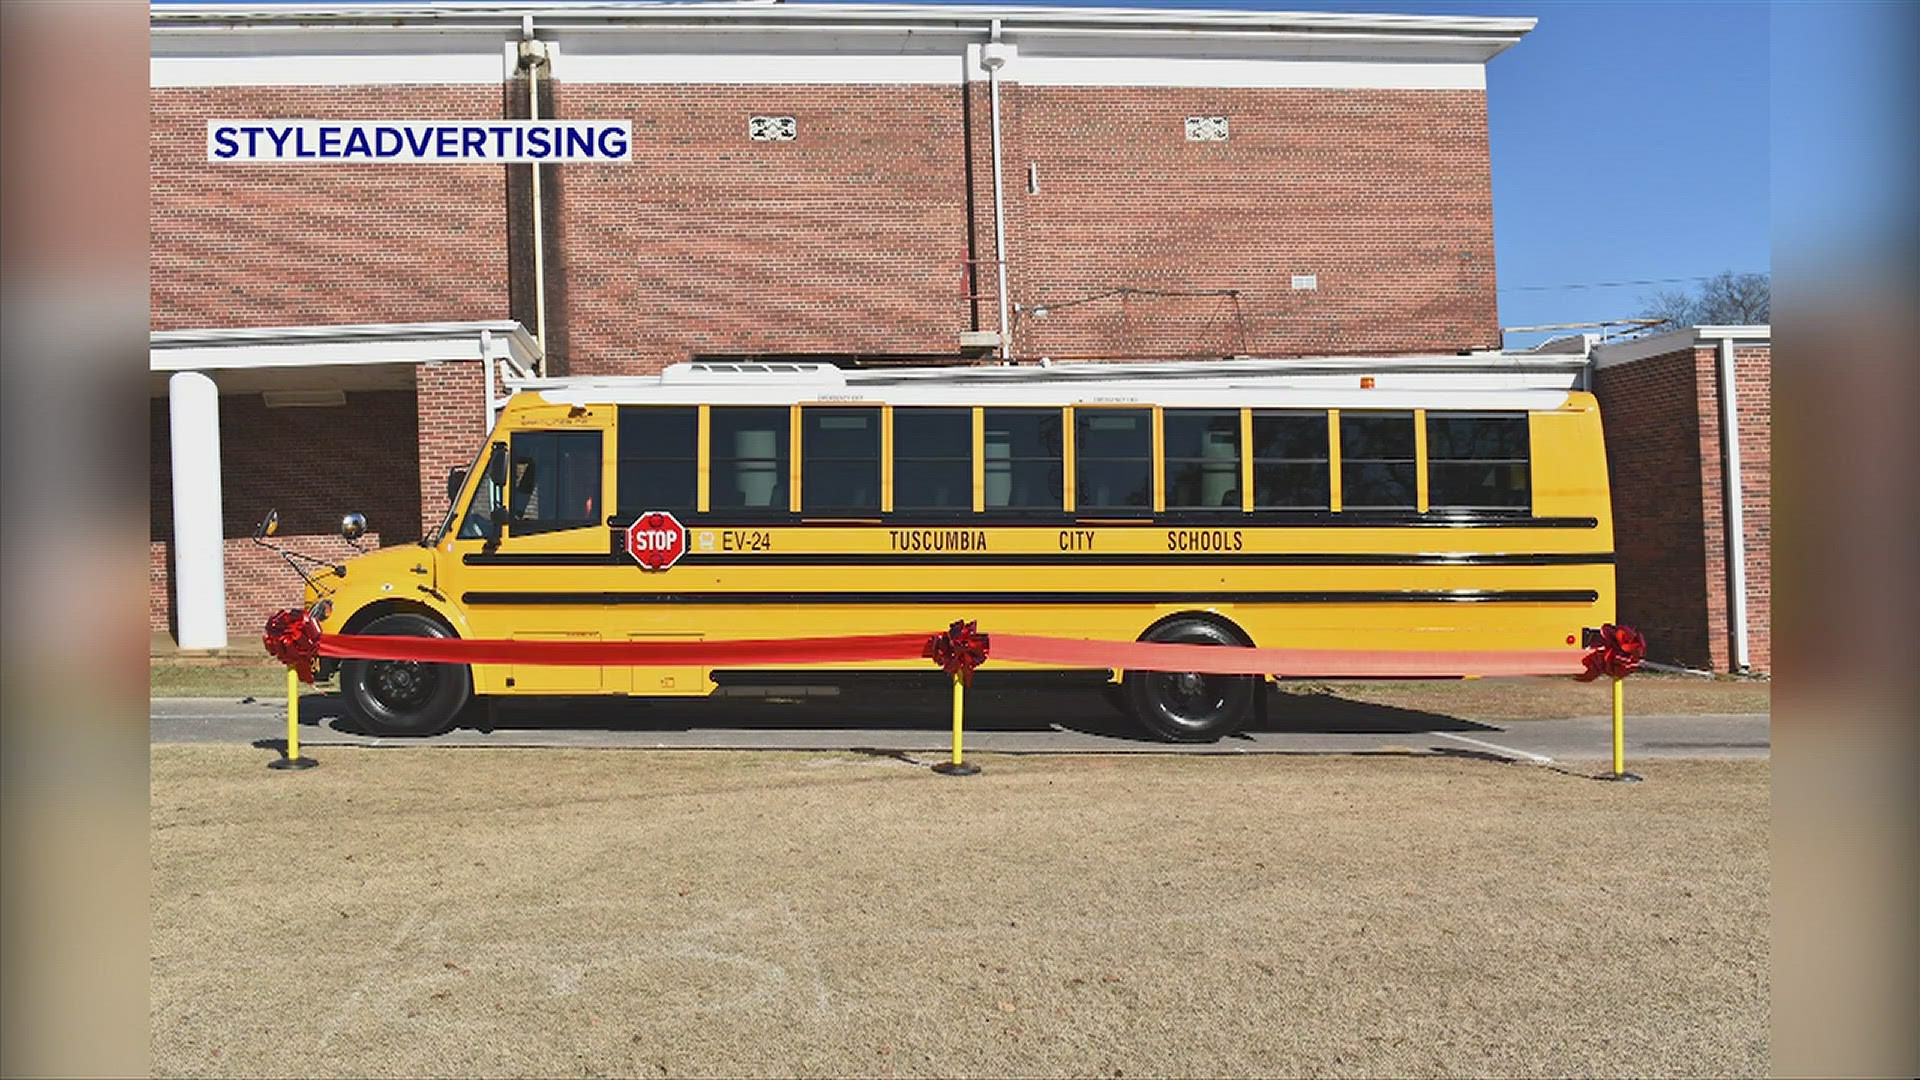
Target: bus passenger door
<point>528,553</point>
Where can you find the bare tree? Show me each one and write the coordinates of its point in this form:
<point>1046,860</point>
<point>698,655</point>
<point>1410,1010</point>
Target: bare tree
<point>1726,299</point>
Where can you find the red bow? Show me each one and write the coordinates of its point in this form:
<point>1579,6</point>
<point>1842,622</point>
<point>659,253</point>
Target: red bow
<point>293,638</point>
<point>1615,651</point>
<point>958,650</point>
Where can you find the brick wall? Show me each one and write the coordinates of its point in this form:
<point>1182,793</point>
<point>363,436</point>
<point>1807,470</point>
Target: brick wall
<point>312,465</point>
<point>451,401</point>
<point>1662,417</point>
<point>848,238</point>
<point>851,238</point>
<point>1384,195</point>
<point>281,245</point>
<point>1650,411</point>
<point>1753,396</point>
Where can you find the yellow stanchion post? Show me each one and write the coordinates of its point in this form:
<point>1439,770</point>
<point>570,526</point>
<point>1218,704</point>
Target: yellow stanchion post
<point>1620,732</point>
<point>293,760</point>
<point>956,766</point>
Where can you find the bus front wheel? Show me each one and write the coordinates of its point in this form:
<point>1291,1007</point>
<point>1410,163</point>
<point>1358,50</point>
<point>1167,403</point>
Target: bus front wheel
<point>1188,706</point>
<point>404,697</point>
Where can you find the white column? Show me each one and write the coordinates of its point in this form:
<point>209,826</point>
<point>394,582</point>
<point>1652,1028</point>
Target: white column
<point>199,567</point>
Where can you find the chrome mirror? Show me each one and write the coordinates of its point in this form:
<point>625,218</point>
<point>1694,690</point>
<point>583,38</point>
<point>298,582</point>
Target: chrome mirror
<point>353,527</point>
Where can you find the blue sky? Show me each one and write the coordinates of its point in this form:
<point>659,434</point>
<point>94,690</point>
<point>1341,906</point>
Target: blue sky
<point>1630,148</point>
<point>1630,144</point>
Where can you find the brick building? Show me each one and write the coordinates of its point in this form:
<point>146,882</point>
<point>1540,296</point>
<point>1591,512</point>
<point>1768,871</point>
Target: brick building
<point>818,181</point>
<point>1694,562</point>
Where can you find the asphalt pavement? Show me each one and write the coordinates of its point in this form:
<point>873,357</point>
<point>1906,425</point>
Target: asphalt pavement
<point>917,725</point>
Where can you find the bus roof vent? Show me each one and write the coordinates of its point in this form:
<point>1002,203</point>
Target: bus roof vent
<point>706,371</point>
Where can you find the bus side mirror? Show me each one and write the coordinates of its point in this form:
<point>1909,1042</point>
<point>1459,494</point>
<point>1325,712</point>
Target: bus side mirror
<point>497,467</point>
<point>456,479</point>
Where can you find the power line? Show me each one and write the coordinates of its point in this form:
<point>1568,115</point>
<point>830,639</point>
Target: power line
<point>1607,284</point>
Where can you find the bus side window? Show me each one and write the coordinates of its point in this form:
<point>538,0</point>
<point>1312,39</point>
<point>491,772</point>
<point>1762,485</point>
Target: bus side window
<point>1023,460</point>
<point>553,480</point>
<point>1377,463</point>
<point>932,460</point>
<point>1478,461</point>
<point>749,457</point>
<point>840,460</point>
<point>1113,460</point>
<point>1203,459</point>
<point>477,524</point>
<point>1291,461</point>
<point>659,458</point>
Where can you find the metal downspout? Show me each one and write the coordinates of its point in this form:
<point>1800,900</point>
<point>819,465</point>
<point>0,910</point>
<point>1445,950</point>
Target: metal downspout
<point>992,59</point>
<point>1735,513</point>
<point>533,53</point>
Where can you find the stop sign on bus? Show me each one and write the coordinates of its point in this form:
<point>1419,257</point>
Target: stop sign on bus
<point>656,540</point>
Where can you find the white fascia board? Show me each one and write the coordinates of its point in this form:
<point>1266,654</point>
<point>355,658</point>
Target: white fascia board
<point>215,45</point>
<point>1271,394</point>
<point>313,346</point>
<point>1747,332</point>
<point>1346,367</point>
<point>327,56</point>
<point>1495,31</point>
<point>1673,341</point>
<point>1234,73</point>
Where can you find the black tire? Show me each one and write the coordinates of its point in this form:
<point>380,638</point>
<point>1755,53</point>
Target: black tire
<point>401,697</point>
<point>1187,707</point>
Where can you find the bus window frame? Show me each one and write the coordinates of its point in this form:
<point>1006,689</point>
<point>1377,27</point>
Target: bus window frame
<point>782,508</point>
<point>1468,509</point>
<point>971,454</point>
<point>621,414</point>
<point>1328,422</point>
<point>1413,460</point>
<point>1063,510</point>
<point>520,526</point>
<point>1086,411</point>
<point>1164,459</point>
<point>806,409</point>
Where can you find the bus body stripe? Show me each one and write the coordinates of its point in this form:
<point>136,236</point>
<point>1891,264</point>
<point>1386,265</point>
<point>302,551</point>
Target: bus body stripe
<point>992,599</point>
<point>1196,558</point>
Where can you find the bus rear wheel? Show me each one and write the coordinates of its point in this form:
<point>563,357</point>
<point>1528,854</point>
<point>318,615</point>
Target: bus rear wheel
<point>1188,706</point>
<point>404,697</point>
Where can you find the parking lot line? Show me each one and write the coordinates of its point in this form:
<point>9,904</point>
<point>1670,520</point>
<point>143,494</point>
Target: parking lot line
<point>1538,759</point>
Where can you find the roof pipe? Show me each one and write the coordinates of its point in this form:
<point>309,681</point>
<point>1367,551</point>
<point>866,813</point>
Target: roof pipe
<point>486,362</point>
<point>1735,513</point>
<point>993,56</point>
<point>533,53</point>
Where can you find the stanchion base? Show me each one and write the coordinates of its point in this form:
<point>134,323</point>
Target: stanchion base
<point>956,768</point>
<point>292,763</point>
<point>1621,778</point>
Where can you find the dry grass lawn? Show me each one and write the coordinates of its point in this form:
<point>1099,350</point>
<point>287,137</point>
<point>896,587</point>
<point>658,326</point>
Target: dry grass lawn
<point>436,911</point>
<point>1475,699</point>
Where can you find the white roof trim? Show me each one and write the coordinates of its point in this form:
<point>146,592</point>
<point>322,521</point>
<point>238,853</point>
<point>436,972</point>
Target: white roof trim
<point>227,44</point>
<point>1686,337</point>
<point>1498,31</point>
<point>1480,381</point>
<point>228,348</point>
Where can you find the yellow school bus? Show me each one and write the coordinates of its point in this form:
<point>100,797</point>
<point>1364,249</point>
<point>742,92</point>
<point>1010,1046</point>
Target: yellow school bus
<point>1438,503</point>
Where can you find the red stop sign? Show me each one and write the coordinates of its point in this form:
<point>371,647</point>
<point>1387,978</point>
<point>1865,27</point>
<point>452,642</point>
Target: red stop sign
<point>656,540</point>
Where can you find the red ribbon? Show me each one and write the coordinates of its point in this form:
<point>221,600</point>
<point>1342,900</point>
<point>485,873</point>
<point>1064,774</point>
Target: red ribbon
<point>958,650</point>
<point>293,638</point>
<point>1616,652</point>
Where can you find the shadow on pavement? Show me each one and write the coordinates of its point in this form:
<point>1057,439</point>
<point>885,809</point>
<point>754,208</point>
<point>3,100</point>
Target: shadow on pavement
<point>1077,711</point>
